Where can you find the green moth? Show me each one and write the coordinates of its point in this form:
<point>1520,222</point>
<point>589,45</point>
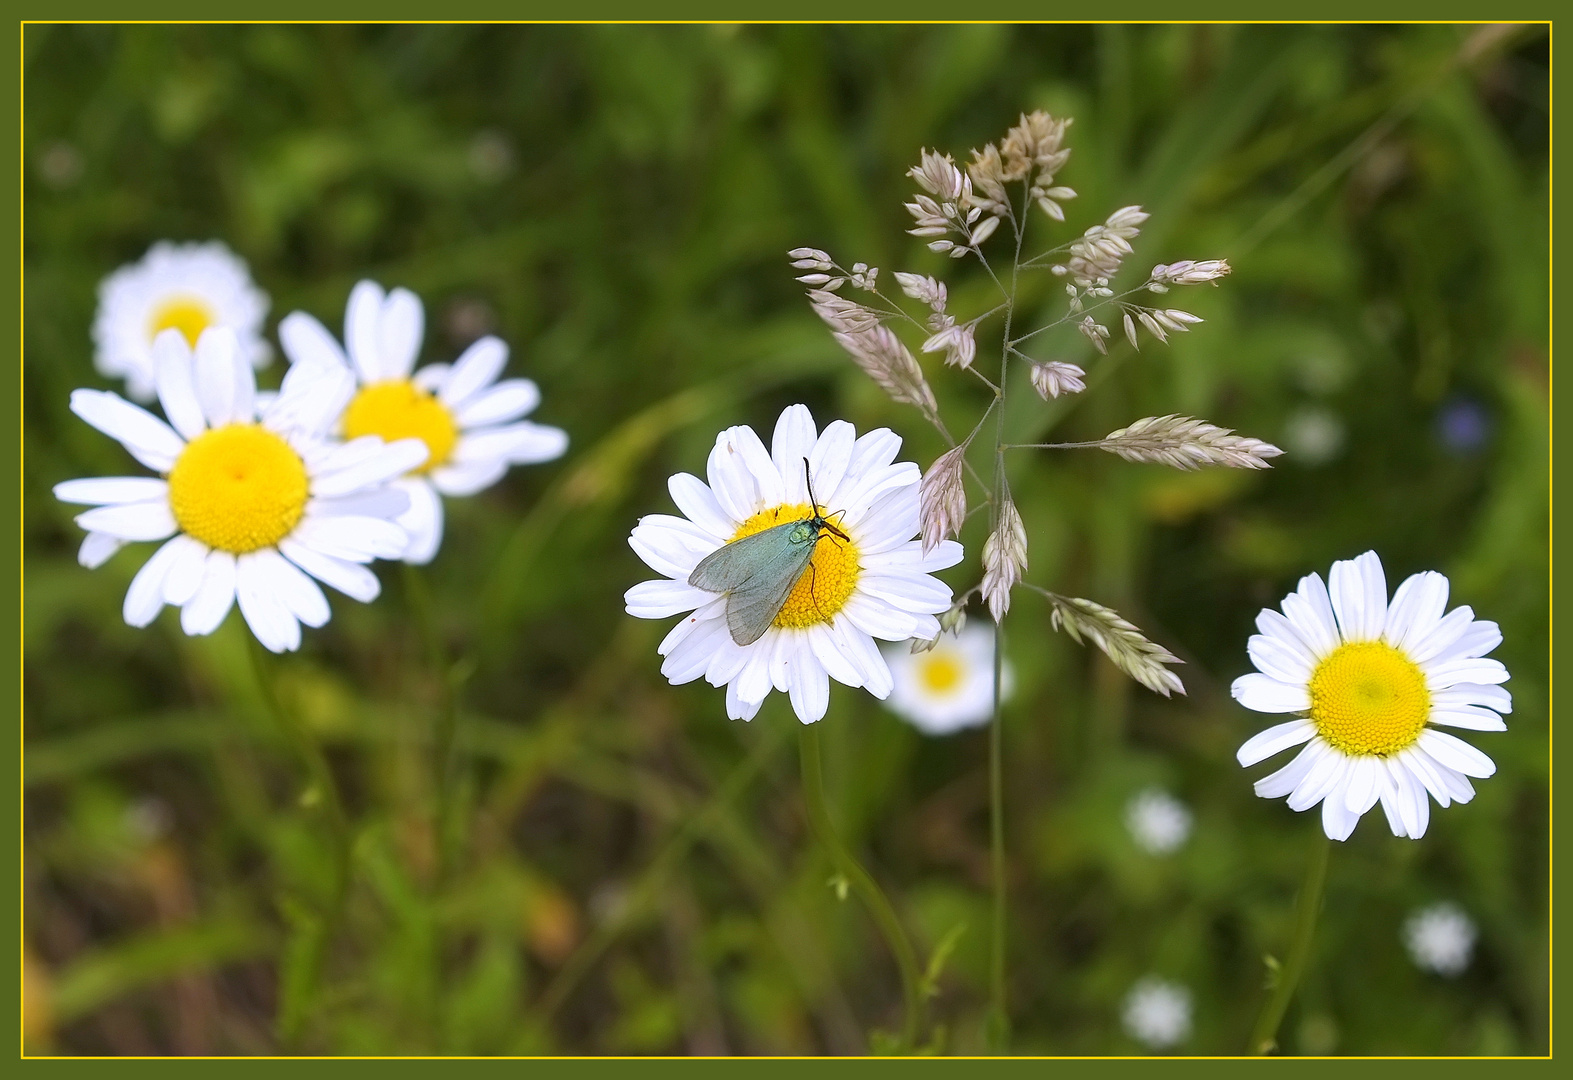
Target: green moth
<point>757,573</point>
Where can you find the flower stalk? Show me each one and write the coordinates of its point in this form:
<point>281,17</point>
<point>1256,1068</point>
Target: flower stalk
<point>1308,905</point>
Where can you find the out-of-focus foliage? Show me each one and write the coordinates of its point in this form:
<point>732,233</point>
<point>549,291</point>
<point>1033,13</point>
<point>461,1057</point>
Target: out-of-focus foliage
<point>635,874</point>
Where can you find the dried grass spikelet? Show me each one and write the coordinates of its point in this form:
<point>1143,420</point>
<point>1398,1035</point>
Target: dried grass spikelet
<point>988,181</point>
<point>1004,559</point>
<point>923,289</point>
<point>1187,272</point>
<point>886,360</point>
<point>1187,443</point>
<point>1120,641</point>
<point>1035,142</point>
<point>937,174</point>
<point>1051,378</point>
<point>840,314</point>
<point>1095,332</point>
<point>960,347</point>
<point>942,498</point>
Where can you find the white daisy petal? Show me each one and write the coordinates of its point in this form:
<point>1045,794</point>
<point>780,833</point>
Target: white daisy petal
<point>1278,784</point>
<point>507,400</point>
<point>1443,636</point>
<point>1492,697</point>
<point>663,597</point>
<point>522,443</point>
<point>216,372</point>
<point>1482,637</point>
<point>1416,608</point>
<point>97,548</point>
<point>175,382</point>
<point>477,368</point>
<point>311,399</point>
<point>827,650</point>
<point>1365,785</point>
<point>878,619</point>
<point>1338,821</point>
<point>362,330</point>
<point>146,595</point>
<point>1310,609</point>
<point>1273,625</point>
<point>112,490</point>
<point>1455,753</point>
<point>382,502</point>
<point>297,591</point>
<point>730,481</point>
<point>860,649</point>
<point>1468,716</point>
<point>403,325</point>
<point>1443,674</point>
<point>1262,693</point>
<point>385,462</point>
<point>205,611</point>
<point>423,520</point>
<point>809,688</point>
<point>1389,797</point>
<point>261,606</point>
<point>187,567</point>
<point>1279,737</point>
<point>829,460</point>
<point>433,377</point>
<point>793,441</point>
<point>357,539</point>
<point>351,579</point>
<point>737,708</point>
<point>1423,771</point>
<point>148,439</point>
<point>463,480</point>
<point>131,521</point>
<point>1323,775</point>
<point>307,342</point>
<point>1359,595</point>
<point>694,498</point>
<point>1288,663</point>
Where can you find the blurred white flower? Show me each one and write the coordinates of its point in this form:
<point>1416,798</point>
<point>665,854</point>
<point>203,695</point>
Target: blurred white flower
<point>1440,938</point>
<point>1369,681</point>
<point>186,287</point>
<point>875,583</point>
<point>949,687</point>
<point>255,496</point>
<point>1158,821</point>
<point>469,422</point>
<point>1157,1013</point>
<point>1314,435</point>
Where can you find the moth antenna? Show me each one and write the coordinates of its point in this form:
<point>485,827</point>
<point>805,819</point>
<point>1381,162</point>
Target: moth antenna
<point>809,480</point>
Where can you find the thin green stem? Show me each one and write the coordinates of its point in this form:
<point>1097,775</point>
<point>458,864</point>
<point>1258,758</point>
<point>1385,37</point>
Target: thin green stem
<point>445,723</point>
<point>867,889</point>
<point>1264,1037</point>
<point>322,792</point>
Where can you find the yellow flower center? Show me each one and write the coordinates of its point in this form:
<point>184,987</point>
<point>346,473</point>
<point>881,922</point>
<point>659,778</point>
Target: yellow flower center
<point>939,674</point>
<point>1369,698</point>
<point>238,488</point>
<point>399,409</point>
<point>832,571</point>
<point>187,314</point>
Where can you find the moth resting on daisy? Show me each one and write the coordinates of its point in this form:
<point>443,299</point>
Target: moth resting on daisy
<point>257,500</point>
<point>469,421</point>
<point>874,583</point>
<point>1370,679</point>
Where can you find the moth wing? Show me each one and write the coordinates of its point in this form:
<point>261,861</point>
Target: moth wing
<point>753,605</point>
<point>731,565</point>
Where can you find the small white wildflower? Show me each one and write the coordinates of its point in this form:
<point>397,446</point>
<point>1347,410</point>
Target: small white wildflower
<point>1158,822</point>
<point>1440,938</point>
<point>1053,378</point>
<point>1157,1013</point>
<point>949,686</point>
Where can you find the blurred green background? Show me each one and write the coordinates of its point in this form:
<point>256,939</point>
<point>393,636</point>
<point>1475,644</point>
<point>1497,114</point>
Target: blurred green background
<point>636,874</point>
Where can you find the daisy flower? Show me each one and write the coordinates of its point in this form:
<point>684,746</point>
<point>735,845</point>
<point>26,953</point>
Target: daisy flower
<point>185,287</point>
<point>1440,938</point>
<point>469,421</point>
<point>253,499</point>
<point>1370,679</point>
<point>1157,821</point>
<point>1157,1013</point>
<point>948,687</point>
<point>875,583</point>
